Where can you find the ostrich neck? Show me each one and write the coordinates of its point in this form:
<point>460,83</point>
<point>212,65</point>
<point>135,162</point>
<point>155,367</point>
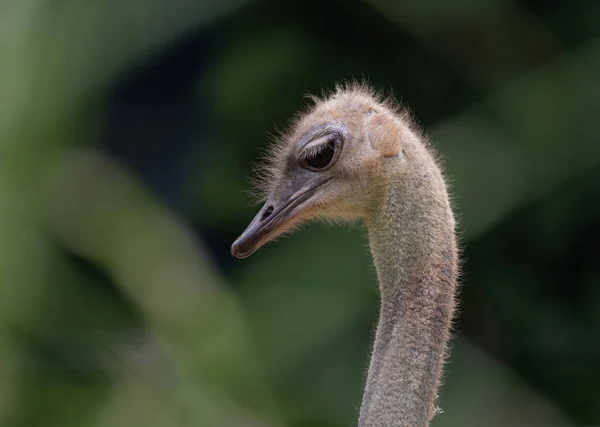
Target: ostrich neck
<point>413,244</point>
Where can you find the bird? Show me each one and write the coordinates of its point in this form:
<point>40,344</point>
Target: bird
<point>357,154</point>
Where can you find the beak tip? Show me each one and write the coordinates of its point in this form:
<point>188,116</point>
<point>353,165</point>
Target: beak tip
<point>238,252</point>
<point>235,249</point>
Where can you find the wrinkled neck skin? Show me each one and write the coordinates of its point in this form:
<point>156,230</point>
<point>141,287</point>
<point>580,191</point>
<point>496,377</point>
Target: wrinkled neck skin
<point>414,248</point>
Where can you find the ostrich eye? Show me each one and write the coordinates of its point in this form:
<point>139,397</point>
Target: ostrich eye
<point>321,157</point>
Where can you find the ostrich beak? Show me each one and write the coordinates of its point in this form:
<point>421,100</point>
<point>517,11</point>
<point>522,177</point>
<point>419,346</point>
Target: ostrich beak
<point>281,211</point>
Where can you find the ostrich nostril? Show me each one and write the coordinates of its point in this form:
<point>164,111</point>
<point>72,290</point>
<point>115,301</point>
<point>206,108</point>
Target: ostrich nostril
<point>267,213</point>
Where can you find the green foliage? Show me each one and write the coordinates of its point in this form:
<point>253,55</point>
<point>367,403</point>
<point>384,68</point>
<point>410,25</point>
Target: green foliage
<point>157,335</point>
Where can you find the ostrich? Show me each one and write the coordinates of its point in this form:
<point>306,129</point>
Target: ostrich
<point>357,155</point>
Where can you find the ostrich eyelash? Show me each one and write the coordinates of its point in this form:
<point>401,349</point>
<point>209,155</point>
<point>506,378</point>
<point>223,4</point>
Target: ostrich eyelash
<point>314,148</point>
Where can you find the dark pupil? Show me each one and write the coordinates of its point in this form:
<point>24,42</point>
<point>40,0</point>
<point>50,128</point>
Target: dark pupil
<point>322,158</point>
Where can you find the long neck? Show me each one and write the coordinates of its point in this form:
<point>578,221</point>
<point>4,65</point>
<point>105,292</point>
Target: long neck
<point>414,248</point>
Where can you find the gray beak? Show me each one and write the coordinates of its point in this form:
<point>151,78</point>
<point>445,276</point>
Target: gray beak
<point>272,219</point>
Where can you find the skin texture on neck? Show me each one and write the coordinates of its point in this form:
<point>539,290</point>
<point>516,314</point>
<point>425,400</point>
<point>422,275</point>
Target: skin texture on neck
<point>412,240</point>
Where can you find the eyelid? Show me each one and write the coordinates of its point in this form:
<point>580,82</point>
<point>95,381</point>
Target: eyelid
<point>314,147</point>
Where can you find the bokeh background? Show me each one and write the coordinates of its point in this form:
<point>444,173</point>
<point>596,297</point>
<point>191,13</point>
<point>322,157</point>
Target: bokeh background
<point>128,129</point>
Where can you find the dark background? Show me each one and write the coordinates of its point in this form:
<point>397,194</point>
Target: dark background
<point>128,130</point>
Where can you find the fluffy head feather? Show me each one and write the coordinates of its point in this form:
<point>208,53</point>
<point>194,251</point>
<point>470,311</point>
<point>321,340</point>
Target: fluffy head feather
<point>356,98</point>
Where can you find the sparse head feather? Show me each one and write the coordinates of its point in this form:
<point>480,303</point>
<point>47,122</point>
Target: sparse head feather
<point>345,100</point>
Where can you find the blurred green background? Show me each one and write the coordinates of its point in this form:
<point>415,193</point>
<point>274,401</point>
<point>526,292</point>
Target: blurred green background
<point>128,129</point>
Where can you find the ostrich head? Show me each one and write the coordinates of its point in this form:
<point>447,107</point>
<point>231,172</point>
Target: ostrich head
<point>333,163</point>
